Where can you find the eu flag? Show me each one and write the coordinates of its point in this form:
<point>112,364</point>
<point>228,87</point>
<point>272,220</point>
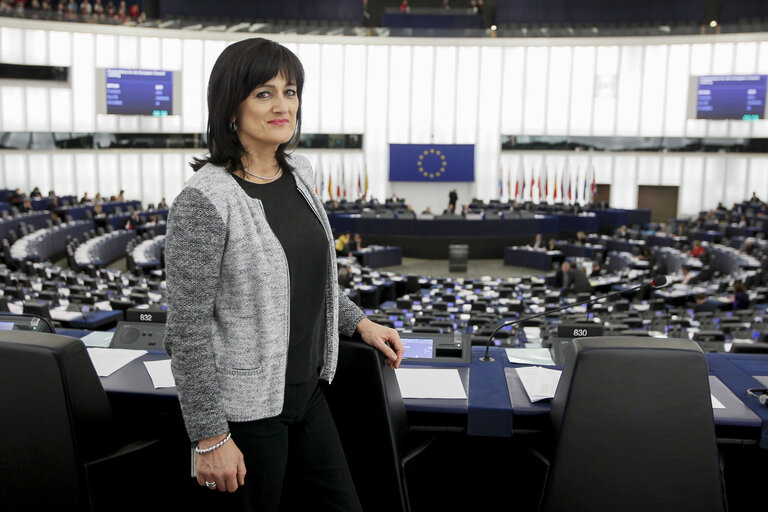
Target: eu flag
<point>432,162</point>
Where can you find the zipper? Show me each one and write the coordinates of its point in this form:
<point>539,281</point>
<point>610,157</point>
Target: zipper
<point>288,284</point>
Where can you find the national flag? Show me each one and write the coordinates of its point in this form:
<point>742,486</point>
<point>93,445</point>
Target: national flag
<point>555,185</point>
<point>338,186</point>
<point>330,186</point>
<point>570,194</point>
<point>501,181</point>
<point>539,187</point>
<point>546,184</point>
<point>343,180</point>
<point>594,186</point>
<point>533,183</point>
<point>509,184</point>
<point>359,184</point>
<point>365,194</point>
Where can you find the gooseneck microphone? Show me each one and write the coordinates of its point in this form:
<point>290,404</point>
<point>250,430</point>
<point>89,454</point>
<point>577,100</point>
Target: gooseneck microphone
<point>656,282</point>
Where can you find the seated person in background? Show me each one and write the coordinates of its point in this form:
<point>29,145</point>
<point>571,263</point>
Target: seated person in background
<point>427,211</point>
<point>133,221</point>
<point>99,217</point>
<point>581,238</point>
<point>698,250</point>
<point>162,204</point>
<point>740,297</point>
<point>688,275</point>
<point>26,206</point>
<point>356,244</point>
<point>97,199</point>
<point>16,198</point>
<point>646,254</point>
<point>720,207</point>
<point>551,245</point>
<point>754,198</point>
<point>622,232</point>
<point>538,242</point>
<point>36,194</point>
<point>743,221</point>
<point>748,246</point>
<point>85,198</point>
<point>703,304</point>
<point>341,242</point>
<point>663,229</point>
<point>450,210</point>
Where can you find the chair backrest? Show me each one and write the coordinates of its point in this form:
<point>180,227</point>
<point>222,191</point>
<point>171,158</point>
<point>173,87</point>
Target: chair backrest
<point>55,416</point>
<point>369,413</point>
<point>634,429</point>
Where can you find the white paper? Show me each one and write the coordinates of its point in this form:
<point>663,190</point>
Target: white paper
<point>108,360</point>
<point>98,339</point>
<point>716,404</point>
<point>62,315</point>
<point>160,373</point>
<point>430,383</point>
<point>15,308</point>
<point>539,383</point>
<point>534,356</point>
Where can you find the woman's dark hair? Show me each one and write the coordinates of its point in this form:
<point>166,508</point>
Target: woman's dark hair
<point>241,68</point>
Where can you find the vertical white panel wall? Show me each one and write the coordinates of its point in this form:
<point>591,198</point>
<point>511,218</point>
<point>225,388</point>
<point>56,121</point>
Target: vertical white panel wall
<point>408,90</point>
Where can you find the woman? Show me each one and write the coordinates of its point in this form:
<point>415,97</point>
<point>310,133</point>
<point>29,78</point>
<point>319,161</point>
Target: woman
<point>740,297</point>
<point>254,309</point>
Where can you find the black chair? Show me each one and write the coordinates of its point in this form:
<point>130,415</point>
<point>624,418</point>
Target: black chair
<point>634,429</point>
<point>57,426</point>
<point>370,416</point>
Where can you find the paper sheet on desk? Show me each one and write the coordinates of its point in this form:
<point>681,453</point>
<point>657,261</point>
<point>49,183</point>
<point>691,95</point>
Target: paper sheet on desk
<point>108,360</point>
<point>535,356</point>
<point>430,383</point>
<point>98,339</point>
<point>62,315</point>
<point>716,404</point>
<point>539,383</point>
<point>160,373</point>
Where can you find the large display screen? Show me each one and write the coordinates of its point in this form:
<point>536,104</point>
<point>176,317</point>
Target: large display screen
<point>731,97</point>
<point>139,92</point>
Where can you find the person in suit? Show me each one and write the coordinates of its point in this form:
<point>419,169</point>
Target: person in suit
<point>581,282</point>
<point>355,244</point>
<point>538,242</point>
<point>254,307</point>
<point>452,198</point>
<point>704,304</point>
<point>564,278</point>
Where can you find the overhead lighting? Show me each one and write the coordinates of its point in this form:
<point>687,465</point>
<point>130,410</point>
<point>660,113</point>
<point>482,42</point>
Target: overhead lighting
<point>713,23</point>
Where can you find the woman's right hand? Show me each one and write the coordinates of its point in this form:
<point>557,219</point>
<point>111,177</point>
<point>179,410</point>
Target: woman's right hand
<point>224,465</point>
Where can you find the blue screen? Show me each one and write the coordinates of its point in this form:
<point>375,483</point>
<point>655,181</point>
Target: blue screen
<point>139,92</point>
<point>731,97</point>
<point>417,347</point>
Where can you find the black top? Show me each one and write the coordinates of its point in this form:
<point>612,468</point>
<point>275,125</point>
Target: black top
<point>306,247</point>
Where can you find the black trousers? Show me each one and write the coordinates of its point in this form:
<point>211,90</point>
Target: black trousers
<point>293,461</point>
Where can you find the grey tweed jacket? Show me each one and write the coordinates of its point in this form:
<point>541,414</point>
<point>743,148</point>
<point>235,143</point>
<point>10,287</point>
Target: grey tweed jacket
<point>229,304</point>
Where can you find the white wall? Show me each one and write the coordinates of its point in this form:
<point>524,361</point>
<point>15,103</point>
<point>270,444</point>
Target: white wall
<point>393,90</point>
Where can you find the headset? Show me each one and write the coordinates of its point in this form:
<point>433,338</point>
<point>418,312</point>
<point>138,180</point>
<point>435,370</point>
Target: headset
<point>760,393</point>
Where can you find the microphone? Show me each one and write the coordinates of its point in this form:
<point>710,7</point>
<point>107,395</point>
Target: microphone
<point>656,282</point>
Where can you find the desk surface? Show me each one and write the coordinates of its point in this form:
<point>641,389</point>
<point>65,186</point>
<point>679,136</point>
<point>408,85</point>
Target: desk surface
<point>497,404</point>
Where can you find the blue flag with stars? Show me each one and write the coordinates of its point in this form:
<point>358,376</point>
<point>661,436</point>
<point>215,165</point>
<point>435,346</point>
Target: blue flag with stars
<point>432,162</point>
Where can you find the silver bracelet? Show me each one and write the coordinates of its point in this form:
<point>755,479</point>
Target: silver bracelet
<point>201,451</point>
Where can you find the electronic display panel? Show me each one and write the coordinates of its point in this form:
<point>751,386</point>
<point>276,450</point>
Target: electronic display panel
<point>738,97</point>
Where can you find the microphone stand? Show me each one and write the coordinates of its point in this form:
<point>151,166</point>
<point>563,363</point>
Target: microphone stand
<point>487,358</point>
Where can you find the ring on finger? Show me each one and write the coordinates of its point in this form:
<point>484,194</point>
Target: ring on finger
<point>210,485</point>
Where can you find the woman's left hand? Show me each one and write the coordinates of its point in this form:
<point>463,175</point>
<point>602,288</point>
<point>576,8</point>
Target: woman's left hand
<point>386,339</point>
